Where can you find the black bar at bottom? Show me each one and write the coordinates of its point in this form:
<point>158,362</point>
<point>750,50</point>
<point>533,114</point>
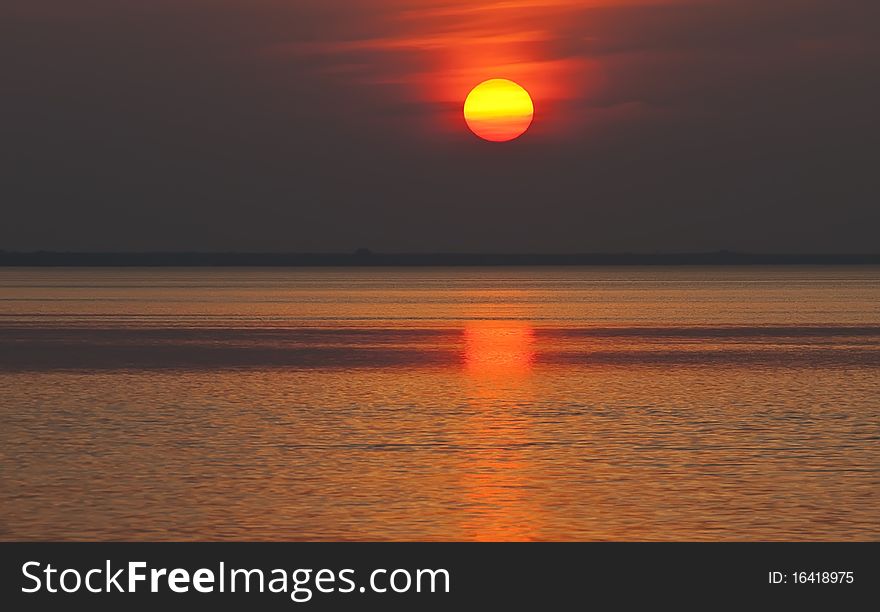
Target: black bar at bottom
<point>519,575</point>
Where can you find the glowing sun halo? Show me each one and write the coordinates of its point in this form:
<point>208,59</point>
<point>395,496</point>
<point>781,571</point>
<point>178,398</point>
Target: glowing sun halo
<point>498,110</point>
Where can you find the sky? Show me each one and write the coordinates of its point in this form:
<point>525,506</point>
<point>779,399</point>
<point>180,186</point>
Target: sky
<point>331,125</point>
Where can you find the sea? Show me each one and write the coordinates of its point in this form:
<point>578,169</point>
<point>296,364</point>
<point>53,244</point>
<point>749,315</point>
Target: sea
<point>452,404</point>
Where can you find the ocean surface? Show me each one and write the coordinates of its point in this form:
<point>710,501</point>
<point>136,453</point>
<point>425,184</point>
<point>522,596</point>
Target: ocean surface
<point>440,404</point>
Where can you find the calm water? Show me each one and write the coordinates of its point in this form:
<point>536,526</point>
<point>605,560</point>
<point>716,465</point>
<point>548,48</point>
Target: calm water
<point>475,404</point>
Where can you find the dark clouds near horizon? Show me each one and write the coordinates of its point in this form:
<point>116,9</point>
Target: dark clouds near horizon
<point>304,125</point>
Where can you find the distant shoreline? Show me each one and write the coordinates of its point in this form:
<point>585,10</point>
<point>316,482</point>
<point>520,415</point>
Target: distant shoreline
<point>365,258</point>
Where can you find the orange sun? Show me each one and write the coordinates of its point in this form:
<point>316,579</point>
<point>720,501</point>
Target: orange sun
<point>498,110</point>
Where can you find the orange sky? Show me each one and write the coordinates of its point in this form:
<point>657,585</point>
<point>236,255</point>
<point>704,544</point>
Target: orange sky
<point>569,54</point>
<point>435,51</point>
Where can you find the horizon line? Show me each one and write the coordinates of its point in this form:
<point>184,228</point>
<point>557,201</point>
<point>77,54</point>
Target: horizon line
<point>367,258</point>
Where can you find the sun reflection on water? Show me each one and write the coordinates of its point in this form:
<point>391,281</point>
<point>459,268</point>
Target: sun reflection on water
<point>494,349</point>
<point>498,361</point>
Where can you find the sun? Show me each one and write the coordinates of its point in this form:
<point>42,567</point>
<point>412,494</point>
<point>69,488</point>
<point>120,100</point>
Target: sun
<point>498,110</point>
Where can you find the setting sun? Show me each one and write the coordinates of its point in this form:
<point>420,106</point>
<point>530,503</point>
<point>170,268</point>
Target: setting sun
<point>498,110</point>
